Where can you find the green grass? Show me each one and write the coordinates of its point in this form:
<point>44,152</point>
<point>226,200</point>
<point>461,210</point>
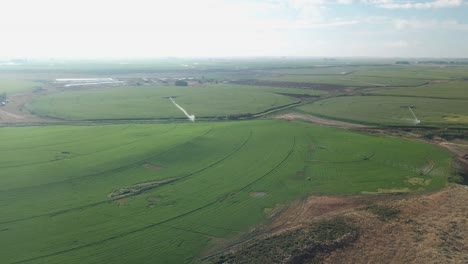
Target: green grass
<point>391,110</point>
<point>153,102</point>
<point>451,90</point>
<point>349,80</point>
<point>17,86</point>
<point>368,76</point>
<point>55,181</point>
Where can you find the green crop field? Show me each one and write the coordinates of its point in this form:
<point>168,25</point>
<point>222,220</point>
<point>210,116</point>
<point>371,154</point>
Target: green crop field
<point>349,80</point>
<point>368,76</point>
<point>100,184</point>
<point>391,110</point>
<point>165,193</point>
<point>451,90</point>
<point>17,86</point>
<point>153,102</point>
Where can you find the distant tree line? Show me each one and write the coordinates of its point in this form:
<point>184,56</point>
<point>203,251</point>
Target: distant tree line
<point>464,62</point>
<point>3,97</point>
<point>181,83</point>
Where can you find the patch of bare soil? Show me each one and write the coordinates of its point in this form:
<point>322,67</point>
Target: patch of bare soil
<point>138,188</point>
<point>460,149</point>
<point>405,228</point>
<point>432,228</point>
<point>152,167</point>
<point>284,219</point>
<point>318,120</point>
<point>257,194</point>
<point>153,198</point>
<point>15,111</point>
<point>303,211</point>
<point>122,201</point>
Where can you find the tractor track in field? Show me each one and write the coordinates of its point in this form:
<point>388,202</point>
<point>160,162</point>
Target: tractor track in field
<point>221,160</point>
<point>178,179</point>
<point>51,214</point>
<point>219,199</point>
<point>72,141</point>
<point>82,155</point>
<point>121,168</point>
<point>116,236</point>
<point>86,154</point>
<point>250,184</point>
<point>90,175</point>
<point>190,231</point>
<point>273,169</point>
<point>365,158</point>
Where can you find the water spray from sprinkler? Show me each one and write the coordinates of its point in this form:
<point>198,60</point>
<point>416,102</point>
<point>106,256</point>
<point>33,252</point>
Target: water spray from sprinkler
<point>416,120</point>
<point>190,117</point>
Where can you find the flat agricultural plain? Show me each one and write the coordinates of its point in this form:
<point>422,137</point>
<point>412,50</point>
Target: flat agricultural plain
<point>392,110</point>
<point>115,173</point>
<point>136,193</point>
<point>149,102</point>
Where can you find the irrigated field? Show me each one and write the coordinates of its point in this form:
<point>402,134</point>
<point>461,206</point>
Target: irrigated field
<point>17,86</point>
<point>392,110</point>
<point>114,188</point>
<point>443,90</point>
<point>164,193</point>
<point>368,76</point>
<point>353,80</point>
<point>153,102</point>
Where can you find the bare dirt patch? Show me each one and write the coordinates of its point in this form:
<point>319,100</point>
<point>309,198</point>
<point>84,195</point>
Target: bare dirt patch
<point>431,228</point>
<point>138,188</point>
<point>403,228</point>
<point>15,111</point>
<point>152,167</point>
<point>318,120</point>
<point>257,194</point>
<point>153,199</point>
<point>122,201</point>
<point>303,211</point>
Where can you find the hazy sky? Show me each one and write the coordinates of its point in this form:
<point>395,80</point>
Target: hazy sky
<point>152,28</point>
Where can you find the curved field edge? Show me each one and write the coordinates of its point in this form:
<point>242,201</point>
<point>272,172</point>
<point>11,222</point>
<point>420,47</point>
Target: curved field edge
<point>152,102</point>
<point>176,221</point>
<point>13,86</point>
<point>391,110</point>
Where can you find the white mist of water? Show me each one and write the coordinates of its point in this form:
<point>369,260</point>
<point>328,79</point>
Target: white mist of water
<point>416,120</point>
<point>191,117</point>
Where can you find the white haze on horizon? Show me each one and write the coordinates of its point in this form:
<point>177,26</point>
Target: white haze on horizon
<point>218,28</point>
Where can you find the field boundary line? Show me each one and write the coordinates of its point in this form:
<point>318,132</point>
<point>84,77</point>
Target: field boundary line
<point>86,154</point>
<point>110,200</point>
<point>219,199</point>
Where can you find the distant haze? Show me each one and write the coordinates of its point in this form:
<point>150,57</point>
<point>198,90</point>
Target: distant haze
<point>152,28</point>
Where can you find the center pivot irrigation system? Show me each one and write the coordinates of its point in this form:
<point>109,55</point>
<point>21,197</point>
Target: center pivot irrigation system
<point>416,120</point>
<point>190,117</point>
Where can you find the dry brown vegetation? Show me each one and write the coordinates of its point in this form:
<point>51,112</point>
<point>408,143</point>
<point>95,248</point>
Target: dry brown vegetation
<point>405,228</point>
<point>432,228</point>
<point>15,112</point>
